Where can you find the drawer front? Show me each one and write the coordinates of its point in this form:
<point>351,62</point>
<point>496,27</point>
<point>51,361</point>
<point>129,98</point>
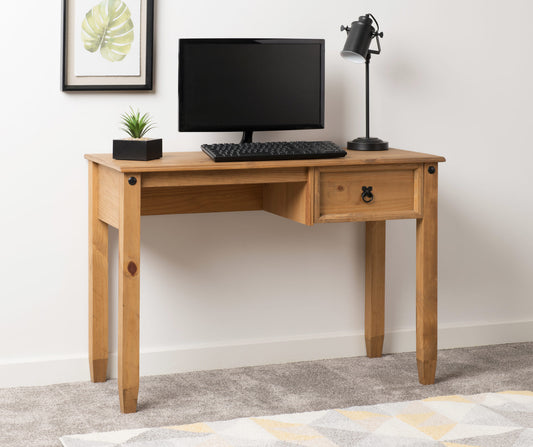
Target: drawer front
<point>351,194</point>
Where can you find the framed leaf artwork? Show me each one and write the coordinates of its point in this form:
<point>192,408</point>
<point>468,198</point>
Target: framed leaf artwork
<point>107,44</point>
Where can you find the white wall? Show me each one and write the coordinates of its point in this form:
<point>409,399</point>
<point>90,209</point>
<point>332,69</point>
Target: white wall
<point>454,78</point>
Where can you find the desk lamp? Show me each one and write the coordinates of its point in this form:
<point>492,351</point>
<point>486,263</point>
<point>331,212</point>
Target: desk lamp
<point>357,49</point>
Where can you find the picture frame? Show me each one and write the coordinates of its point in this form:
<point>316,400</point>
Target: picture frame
<point>119,57</point>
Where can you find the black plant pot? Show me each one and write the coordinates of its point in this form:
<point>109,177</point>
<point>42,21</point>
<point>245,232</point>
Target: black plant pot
<point>137,149</point>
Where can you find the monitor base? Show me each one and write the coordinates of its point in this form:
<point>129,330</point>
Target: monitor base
<point>247,136</point>
<point>368,144</point>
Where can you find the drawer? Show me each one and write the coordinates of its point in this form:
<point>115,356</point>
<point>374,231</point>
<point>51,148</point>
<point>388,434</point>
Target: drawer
<point>392,192</point>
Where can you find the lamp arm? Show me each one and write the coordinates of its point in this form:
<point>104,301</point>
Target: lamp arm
<point>376,34</point>
<point>377,24</point>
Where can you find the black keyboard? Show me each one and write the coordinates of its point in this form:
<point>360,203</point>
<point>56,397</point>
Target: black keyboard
<point>287,150</point>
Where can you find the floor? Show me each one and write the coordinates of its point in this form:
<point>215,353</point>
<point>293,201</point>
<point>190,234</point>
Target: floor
<point>38,416</point>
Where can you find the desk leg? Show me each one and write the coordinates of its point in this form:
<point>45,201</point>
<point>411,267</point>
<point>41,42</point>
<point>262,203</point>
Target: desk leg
<point>128,292</point>
<point>426,281</point>
<point>375,288</point>
<point>98,280</point>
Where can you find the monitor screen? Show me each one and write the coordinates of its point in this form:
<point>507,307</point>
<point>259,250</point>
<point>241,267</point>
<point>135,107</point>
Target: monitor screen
<point>251,84</point>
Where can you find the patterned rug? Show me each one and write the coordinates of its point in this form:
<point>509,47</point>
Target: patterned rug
<point>481,420</point>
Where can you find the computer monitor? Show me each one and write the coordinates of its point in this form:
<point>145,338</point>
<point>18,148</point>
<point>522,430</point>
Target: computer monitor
<point>250,85</point>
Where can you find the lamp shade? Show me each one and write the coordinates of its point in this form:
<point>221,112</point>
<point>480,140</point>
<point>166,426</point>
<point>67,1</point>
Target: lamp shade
<point>358,41</point>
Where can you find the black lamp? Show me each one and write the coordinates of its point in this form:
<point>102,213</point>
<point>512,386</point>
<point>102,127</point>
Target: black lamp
<point>357,49</point>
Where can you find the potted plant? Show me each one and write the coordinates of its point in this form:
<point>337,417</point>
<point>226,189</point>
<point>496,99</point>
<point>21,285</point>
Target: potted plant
<point>137,147</point>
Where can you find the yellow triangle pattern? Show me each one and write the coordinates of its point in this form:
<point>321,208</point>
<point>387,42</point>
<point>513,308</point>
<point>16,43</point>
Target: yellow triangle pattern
<point>523,393</point>
<point>285,431</point>
<point>195,428</point>
<point>415,419</point>
<point>436,431</point>
<point>459,399</point>
<point>360,415</point>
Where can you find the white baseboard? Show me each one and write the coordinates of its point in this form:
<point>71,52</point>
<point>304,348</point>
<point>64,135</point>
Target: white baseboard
<point>45,371</point>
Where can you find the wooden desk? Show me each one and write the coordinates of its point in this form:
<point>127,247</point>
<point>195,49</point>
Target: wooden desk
<point>404,186</point>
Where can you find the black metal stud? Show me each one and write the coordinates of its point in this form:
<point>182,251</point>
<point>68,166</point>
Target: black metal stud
<point>431,169</point>
<point>132,181</point>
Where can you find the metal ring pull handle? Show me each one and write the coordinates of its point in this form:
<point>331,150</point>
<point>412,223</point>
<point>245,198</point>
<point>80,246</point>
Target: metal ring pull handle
<point>367,195</point>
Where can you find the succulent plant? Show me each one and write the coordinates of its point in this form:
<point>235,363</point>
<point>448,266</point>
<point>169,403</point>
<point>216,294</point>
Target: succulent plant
<point>135,125</point>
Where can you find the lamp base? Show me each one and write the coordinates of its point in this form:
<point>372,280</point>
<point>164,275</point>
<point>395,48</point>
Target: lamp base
<point>368,144</point>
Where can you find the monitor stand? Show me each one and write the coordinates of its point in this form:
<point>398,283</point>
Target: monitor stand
<point>247,136</point>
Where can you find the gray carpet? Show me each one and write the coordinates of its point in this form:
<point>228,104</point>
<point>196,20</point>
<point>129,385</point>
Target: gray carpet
<point>38,416</point>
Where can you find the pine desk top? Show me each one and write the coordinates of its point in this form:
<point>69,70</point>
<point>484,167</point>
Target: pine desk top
<point>198,161</point>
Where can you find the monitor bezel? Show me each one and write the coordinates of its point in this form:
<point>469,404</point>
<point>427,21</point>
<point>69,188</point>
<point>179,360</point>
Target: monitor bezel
<point>264,127</point>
